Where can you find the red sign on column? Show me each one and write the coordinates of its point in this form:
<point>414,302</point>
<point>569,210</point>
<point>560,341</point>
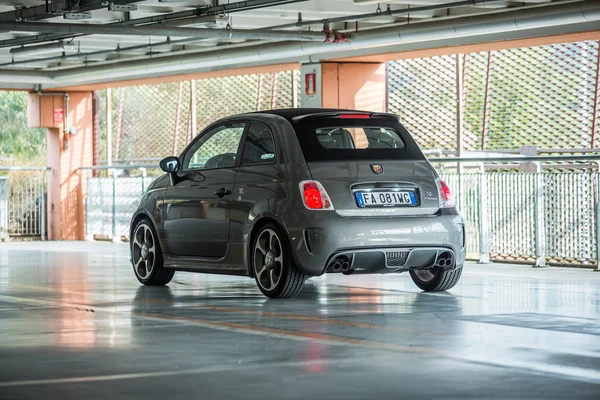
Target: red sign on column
<point>59,115</point>
<point>311,84</point>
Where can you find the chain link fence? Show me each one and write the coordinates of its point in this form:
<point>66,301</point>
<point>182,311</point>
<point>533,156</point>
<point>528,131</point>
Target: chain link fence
<point>543,95</point>
<point>150,122</point>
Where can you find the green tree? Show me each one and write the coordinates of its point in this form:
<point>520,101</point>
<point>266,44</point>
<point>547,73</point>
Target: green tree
<point>19,145</point>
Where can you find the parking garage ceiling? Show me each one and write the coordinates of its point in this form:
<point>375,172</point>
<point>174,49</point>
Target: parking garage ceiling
<point>56,43</point>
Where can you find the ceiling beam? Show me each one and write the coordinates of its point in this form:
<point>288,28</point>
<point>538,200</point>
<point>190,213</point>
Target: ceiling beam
<point>387,13</point>
<point>188,14</point>
<point>46,11</point>
<point>109,29</point>
<point>522,22</point>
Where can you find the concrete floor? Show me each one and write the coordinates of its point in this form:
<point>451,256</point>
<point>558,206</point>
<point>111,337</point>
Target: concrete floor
<point>75,323</point>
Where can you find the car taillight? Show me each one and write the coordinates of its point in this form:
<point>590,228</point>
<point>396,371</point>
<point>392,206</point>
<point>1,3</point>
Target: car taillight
<point>314,196</point>
<point>445,195</point>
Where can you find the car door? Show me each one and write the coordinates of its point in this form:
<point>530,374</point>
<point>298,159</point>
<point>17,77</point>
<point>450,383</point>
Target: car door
<point>257,178</point>
<point>196,212</point>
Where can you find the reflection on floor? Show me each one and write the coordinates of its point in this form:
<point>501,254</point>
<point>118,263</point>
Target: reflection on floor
<point>75,323</point>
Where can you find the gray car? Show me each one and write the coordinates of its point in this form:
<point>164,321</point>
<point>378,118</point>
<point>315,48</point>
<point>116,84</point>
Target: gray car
<point>287,194</point>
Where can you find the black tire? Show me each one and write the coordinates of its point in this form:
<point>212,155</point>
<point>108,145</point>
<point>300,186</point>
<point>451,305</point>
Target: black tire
<point>439,281</point>
<point>150,269</point>
<point>280,264</point>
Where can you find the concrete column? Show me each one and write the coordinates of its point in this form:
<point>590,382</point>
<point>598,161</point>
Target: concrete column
<point>358,86</point>
<point>69,122</point>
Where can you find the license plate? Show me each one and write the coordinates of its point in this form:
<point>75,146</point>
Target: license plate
<point>386,199</point>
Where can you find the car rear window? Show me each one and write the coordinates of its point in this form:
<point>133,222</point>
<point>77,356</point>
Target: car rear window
<point>330,138</point>
<point>346,138</point>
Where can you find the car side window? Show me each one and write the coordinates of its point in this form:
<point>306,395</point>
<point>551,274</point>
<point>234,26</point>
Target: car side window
<point>215,149</point>
<point>259,147</point>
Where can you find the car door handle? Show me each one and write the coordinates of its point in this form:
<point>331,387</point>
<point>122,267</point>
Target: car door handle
<point>223,192</point>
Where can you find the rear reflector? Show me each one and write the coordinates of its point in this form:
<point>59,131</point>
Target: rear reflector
<point>314,196</point>
<point>355,116</point>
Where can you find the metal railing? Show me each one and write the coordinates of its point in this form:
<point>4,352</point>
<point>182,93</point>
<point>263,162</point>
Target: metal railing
<point>544,216</point>
<point>23,200</point>
<point>112,200</point>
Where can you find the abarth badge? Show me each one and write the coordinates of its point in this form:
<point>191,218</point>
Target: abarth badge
<point>378,169</point>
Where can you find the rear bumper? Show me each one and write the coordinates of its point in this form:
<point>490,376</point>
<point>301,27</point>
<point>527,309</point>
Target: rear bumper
<point>317,237</point>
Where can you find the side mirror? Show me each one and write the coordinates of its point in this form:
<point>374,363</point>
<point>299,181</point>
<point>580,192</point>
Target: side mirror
<point>170,164</point>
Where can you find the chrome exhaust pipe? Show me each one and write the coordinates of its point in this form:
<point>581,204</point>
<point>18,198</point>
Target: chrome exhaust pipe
<point>336,266</point>
<point>345,266</point>
<point>445,259</point>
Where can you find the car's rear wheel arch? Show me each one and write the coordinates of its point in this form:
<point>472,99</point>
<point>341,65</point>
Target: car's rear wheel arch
<point>254,231</point>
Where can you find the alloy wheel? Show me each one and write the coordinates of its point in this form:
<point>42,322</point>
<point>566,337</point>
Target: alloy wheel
<point>268,260</point>
<point>144,251</point>
<point>425,275</point>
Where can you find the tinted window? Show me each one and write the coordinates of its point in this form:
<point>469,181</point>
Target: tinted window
<point>259,147</point>
<point>215,149</point>
<point>330,138</point>
<point>359,138</point>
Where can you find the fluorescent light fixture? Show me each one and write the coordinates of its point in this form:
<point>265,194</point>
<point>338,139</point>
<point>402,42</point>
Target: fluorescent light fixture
<point>122,7</point>
<point>77,15</point>
<point>44,48</point>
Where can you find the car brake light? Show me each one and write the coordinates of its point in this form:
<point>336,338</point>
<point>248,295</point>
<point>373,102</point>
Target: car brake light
<point>355,116</point>
<point>314,196</point>
<point>445,195</point>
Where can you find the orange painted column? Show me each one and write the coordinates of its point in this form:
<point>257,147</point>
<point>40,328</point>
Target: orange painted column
<point>358,86</point>
<point>70,146</point>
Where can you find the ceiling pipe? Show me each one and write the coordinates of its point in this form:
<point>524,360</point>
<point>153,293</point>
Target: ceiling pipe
<point>387,13</point>
<point>228,8</point>
<point>205,33</point>
<point>22,79</point>
<point>453,28</point>
<point>44,48</point>
<point>156,19</point>
<point>43,12</point>
<point>116,51</point>
<point>190,15</point>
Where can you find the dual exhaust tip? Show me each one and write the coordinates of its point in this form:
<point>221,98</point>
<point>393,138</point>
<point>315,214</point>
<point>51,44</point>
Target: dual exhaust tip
<point>446,259</point>
<point>340,264</point>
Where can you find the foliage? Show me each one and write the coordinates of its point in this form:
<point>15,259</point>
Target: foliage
<point>19,145</point>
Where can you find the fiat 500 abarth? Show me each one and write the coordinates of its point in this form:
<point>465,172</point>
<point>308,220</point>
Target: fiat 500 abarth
<point>287,194</point>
